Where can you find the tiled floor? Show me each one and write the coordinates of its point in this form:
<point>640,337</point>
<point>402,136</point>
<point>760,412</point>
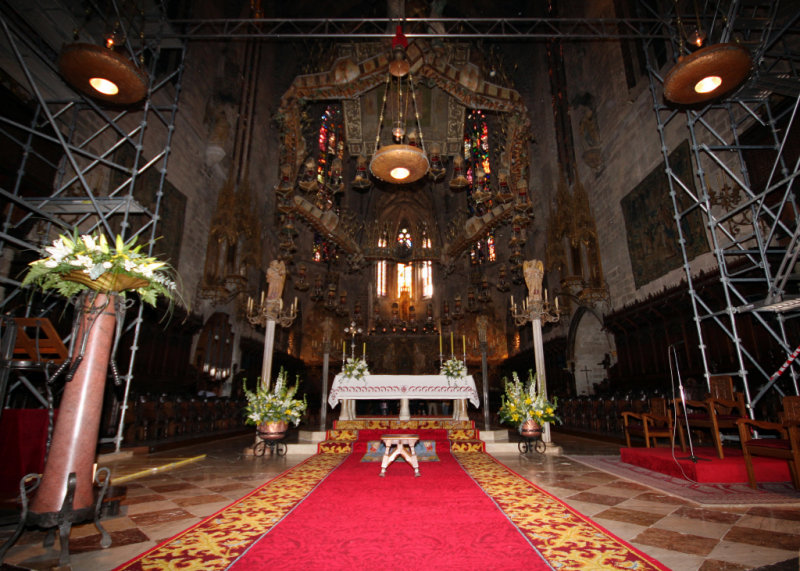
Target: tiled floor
<point>683,536</point>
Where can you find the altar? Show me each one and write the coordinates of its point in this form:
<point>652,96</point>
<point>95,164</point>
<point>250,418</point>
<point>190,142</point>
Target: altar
<point>403,387</point>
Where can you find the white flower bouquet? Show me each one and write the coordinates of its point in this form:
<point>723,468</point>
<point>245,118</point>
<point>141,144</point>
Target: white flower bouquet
<point>356,369</point>
<point>454,369</point>
<point>88,262</point>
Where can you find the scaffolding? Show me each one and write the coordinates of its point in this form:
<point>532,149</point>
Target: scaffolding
<point>751,221</point>
<point>101,152</point>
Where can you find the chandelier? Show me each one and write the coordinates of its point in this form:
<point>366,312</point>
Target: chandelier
<point>404,161</point>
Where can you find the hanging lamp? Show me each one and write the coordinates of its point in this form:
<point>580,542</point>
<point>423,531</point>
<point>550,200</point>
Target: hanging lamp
<point>707,73</point>
<point>102,72</point>
<point>399,162</point>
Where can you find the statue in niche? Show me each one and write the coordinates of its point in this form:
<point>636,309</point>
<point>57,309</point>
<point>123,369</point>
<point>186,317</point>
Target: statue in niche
<point>534,273</point>
<point>276,275</point>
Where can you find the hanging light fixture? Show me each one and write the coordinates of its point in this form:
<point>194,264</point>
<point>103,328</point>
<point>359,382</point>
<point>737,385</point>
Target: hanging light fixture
<point>102,72</point>
<point>709,72</point>
<point>399,162</point>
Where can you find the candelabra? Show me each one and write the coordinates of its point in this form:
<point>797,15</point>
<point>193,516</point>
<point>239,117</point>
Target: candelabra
<point>535,308</point>
<point>271,310</point>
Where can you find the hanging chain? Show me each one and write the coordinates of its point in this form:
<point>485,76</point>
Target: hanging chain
<point>416,110</point>
<point>380,118</point>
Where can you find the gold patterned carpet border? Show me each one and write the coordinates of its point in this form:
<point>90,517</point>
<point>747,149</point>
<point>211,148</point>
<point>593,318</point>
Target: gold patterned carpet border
<point>217,541</point>
<point>567,539</point>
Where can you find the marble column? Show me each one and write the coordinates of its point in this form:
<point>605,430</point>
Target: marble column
<point>78,423</point>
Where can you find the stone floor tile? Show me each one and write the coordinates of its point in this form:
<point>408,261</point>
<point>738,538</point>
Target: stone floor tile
<point>675,541</point>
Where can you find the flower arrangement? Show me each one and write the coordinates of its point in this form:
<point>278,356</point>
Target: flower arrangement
<point>276,404</point>
<point>88,262</point>
<point>521,403</point>
<point>454,369</point>
<point>356,369</point>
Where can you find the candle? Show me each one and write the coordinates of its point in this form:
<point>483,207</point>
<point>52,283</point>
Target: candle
<point>545,294</point>
<point>556,303</point>
<point>452,350</point>
<point>344,348</point>
<point>464,344</point>
<point>295,303</point>
<point>364,350</point>
<point>262,297</point>
<point>512,301</point>
<point>440,343</point>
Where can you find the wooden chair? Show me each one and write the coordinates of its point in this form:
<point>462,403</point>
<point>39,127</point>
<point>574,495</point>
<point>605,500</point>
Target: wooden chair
<point>657,423</point>
<point>719,411</point>
<point>785,446</point>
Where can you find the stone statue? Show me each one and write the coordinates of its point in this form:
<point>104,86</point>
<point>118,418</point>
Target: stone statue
<point>534,272</point>
<point>276,275</point>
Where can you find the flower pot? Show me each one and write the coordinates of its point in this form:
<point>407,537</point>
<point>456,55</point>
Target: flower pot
<point>272,430</point>
<point>530,429</point>
<point>107,282</point>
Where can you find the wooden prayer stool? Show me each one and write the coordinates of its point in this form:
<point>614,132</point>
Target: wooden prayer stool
<point>403,445</point>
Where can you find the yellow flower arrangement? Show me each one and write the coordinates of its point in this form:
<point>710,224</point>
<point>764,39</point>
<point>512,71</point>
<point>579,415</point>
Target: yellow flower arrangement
<point>521,403</point>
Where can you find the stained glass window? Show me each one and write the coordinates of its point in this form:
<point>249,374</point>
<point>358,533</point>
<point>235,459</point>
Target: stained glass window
<point>330,154</point>
<point>380,279</point>
<point>477,163</point>
<point>483,250</point>
<point>426,277</point>
<point>405,279</point>
<point>404,238</point>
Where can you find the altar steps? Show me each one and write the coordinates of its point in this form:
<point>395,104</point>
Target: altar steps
<point>461,434</point>
<point>338,441</point>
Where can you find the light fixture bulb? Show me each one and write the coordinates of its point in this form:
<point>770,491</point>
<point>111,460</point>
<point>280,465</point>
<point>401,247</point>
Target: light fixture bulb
<point>104,86</point>
<point>399,173</point>
<point>698,38</point>
<point>708,84</point>
<point>398,132</point>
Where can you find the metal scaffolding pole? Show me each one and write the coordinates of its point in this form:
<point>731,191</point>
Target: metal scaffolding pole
<point>96,143</point>
<point>753,230</point>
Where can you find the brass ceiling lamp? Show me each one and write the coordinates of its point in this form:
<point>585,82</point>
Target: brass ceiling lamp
<point>401,162</point>
<point>707,73</point>
<point>103,72</point>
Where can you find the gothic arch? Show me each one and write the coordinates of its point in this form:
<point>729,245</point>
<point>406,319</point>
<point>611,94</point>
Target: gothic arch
<point>587,346</point>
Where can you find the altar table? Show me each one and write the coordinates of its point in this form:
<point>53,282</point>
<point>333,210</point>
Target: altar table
<point>403,387</point>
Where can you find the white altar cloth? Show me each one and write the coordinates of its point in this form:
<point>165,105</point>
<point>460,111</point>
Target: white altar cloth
<point>376,387</point>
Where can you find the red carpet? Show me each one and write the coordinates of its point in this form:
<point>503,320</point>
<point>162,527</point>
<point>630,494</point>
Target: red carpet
<point>332,511</point>
<point>730,469</point>
<point>441,520</point>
